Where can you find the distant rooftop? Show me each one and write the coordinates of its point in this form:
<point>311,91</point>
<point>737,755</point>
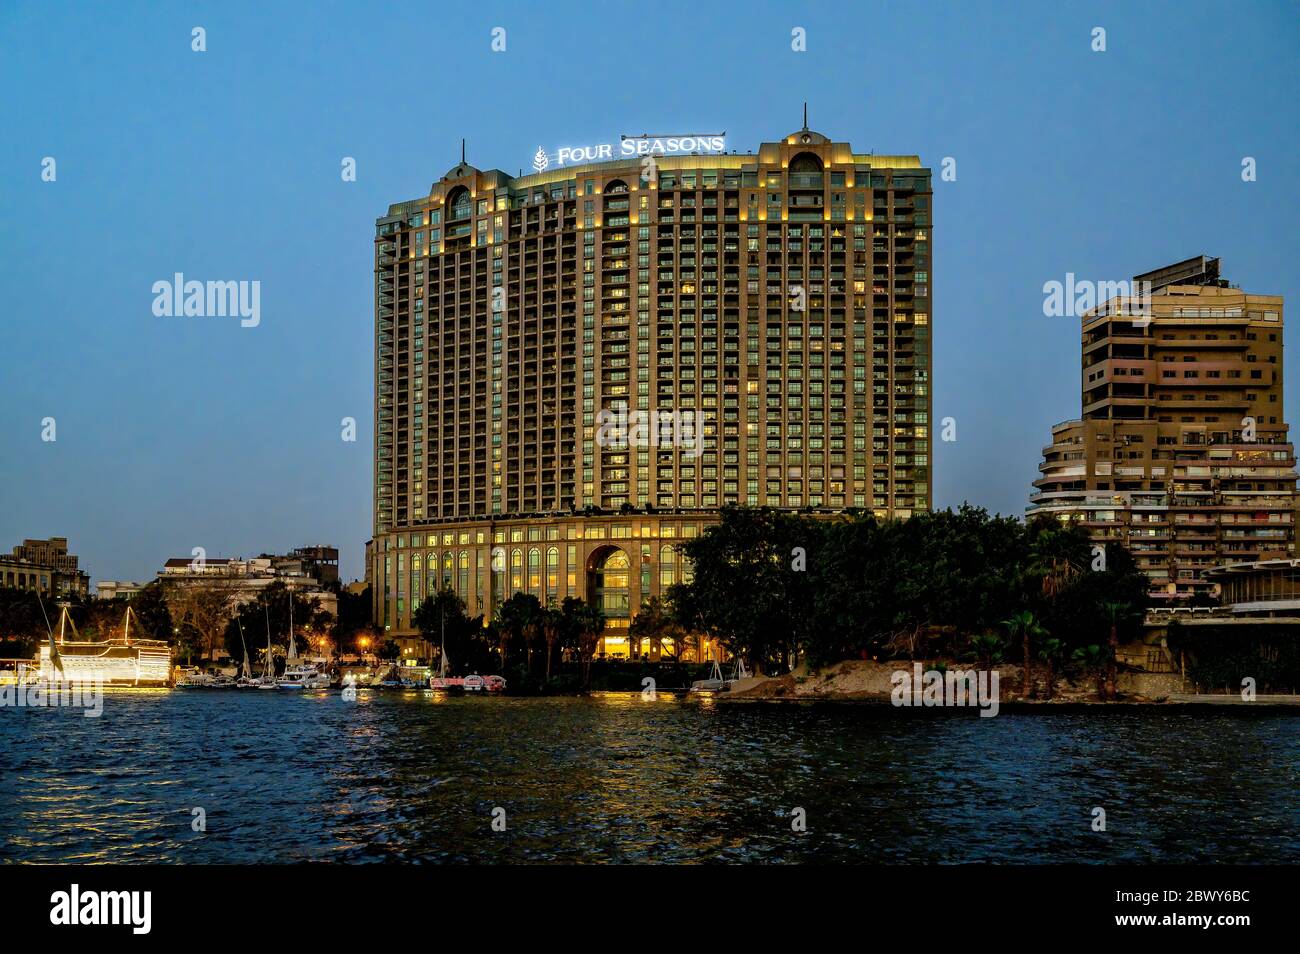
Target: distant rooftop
<point>1201,270</point>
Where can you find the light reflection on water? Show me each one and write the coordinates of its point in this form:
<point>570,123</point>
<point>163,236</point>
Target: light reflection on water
<point>615,777</point>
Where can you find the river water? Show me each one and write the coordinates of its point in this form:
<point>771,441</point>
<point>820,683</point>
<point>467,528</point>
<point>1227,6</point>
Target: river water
<point>615,778</point>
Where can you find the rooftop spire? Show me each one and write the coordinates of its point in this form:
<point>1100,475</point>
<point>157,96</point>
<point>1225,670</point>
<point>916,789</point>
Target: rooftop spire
<point>462,142</point>
<point>805,115</point>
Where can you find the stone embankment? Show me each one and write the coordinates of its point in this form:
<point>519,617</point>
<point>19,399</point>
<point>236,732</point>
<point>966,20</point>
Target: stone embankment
<point>871,681</point>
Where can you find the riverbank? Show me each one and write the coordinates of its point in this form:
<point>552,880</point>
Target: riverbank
<point>871,681</point>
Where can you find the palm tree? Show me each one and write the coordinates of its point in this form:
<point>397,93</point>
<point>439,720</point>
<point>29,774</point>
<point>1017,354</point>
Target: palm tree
<point>552,624</point>
<point>589,621</point>
<point>1115,613</point>
<point>1050,653</point>
<point>1027,627</point>
<point>1093,658</point>
<point>987,648</point>
<point>517,619</point>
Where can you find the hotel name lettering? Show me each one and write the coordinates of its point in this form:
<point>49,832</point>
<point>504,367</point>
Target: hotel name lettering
<point>631,147</point>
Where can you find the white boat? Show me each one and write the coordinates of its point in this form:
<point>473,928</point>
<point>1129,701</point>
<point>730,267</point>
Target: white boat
<point>246,678</point>
<point>300,674</point>
<point>474,683</point>
<point>304,676</point>
<point>443,682</point>
<point>192,677</point>
<point>267,681</point>
<point>713,683</point>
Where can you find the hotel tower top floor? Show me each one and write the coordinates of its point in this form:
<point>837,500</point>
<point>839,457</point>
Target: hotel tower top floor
<point>576,369</point>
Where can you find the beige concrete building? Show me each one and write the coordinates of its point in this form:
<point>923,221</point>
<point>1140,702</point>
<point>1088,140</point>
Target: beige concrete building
<point>576,369</point>
<point>1182,453</point>
<point>44,566</point>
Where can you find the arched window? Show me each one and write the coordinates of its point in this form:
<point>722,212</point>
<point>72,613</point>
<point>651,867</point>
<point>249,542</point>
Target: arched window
<point>611,584</point>
<point>534,569</point>
<point>805,162</point>
<point>516,572</point>
<point>460,203</point>
<point>552,569</point>
<point>616,187</point>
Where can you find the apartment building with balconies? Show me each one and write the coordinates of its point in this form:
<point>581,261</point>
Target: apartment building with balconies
<point>1182,452</point>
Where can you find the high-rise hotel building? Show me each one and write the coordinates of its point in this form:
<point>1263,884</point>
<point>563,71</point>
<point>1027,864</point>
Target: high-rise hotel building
<point>774,306</point>
<point>1182,452</point>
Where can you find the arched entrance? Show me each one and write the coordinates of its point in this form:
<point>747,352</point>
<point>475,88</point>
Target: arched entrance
<point>609,581</point>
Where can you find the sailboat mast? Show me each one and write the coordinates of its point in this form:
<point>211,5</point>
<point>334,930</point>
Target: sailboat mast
<point>246,670</point>
<point>442,660</point>
<point>270,668</point>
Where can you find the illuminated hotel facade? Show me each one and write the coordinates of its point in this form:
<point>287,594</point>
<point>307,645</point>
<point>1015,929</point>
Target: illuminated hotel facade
<point>774,306</point>
<point>1182,453</point>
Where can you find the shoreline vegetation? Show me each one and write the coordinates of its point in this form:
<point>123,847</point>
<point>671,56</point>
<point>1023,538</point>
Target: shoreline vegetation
<point>800,595</point>
<point>818,606</point>
<point>832,609</point>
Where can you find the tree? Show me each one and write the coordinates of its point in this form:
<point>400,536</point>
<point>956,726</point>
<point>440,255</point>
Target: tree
<point>654,623</point>
<point>443,620</point>
<point>750,586</point>
<point>202,611</point>
<point>267,612</point>
<point>354,615</point>
<point>517,620</point>
<point>584,624</point>
<point>22,624</point>
<point>987,648</point>
<point>1024,626</point>
<point>1115,613</point>
<point>553,625</point>
<point>1051,652</point>
<point>1092,658</point>
<point>152,613</point>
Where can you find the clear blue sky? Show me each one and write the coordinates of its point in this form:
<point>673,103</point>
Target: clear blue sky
<point>176,433</point>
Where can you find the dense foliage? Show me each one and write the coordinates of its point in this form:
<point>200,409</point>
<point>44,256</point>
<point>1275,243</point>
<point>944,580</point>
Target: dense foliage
<point>775,587</point>
<point>269,613</point>
<point>1219,657</point>
<point>526,639</point>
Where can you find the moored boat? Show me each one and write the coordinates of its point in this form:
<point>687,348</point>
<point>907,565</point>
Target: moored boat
<point>299,673</point>
<point>117,661</point>
<point>714,683</point>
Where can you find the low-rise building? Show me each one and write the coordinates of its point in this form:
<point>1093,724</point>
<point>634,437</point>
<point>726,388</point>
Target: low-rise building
<point>307,572</point>
<point>117,589</point>
<point>44,566</point>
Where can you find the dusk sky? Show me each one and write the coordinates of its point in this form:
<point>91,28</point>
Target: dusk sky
<point>174,433</point>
